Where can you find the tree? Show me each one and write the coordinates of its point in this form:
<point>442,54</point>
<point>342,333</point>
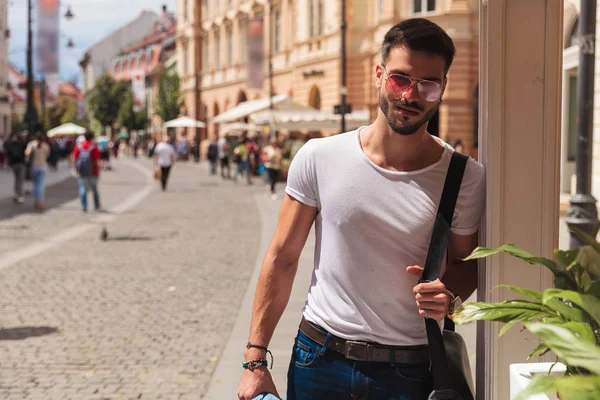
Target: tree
<point>64,111</point>
<point>105,100</point>
<point>168,96</point>
<point>128,117</point>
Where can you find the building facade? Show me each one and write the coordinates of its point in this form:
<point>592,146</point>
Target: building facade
<point>144,61</point>
<point>97,59</point>
<point>189,62</point>
<point>303,38</point>
<point>5,109</point>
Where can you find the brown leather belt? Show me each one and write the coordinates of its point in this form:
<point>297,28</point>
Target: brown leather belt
<point>367,351</point>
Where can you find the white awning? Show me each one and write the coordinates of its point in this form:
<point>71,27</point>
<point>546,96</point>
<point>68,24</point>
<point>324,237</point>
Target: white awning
<point>237,128</point>
<point>184,122</point>
<point>68,129</point>
<point>246,108</point>
<point>311,119</point>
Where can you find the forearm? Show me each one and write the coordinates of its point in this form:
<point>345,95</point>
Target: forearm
<point>272,295</point>
<point>461,278</point>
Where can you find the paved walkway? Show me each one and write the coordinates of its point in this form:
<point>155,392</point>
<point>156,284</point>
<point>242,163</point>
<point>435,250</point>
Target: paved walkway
<point>141,315</point>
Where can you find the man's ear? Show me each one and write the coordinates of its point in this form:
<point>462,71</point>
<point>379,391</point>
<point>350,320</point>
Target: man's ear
<point>378,76</point>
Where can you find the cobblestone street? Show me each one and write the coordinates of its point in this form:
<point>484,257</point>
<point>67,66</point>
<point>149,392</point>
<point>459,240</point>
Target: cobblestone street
<point>144,314</point>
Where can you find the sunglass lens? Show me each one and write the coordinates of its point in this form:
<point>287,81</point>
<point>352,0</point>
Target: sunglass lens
<point>397,84</point>
<point>430,91</point>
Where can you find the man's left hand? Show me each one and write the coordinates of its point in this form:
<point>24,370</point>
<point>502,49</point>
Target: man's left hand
<point>432,296</point>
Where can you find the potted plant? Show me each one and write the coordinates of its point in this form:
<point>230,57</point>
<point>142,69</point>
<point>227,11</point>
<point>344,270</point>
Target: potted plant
<point>566,318</point>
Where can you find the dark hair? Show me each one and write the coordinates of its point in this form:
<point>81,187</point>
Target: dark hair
<point>419,34</point>
<point>89,135</point>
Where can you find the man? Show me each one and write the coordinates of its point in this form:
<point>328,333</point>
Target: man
<point>223,147</point>
<point>374,195</point>
<point>15,154</point>
<point>213,155</point>
<point>86,159</point>
<point>164,158</point>
<point>241,154</point>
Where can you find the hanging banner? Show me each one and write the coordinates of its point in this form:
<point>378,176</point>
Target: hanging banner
<point>52,85</point>
<point>256,57</point>
<point>47,37</point>
<point>138,86</point>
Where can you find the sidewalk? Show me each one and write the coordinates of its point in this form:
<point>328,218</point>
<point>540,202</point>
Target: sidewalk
<point>52,177</point>
<point>225,381</point>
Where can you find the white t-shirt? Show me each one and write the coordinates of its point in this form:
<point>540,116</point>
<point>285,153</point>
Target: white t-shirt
<point>164,152</point>
<point>373,223</point>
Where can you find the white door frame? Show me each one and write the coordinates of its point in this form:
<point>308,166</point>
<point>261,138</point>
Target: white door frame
<point>519,140</point>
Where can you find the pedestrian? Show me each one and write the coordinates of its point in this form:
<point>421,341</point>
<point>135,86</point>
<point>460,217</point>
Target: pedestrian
<point>373,194</point>
<point>38,152</point>
<point>224,150</point>
<point>2,152</point>
<point>241,156</point>
<point>15,154</point>
<point>164,158</point>
<point>86,159</point>
<point>213,155</point>
<point>272,156</point>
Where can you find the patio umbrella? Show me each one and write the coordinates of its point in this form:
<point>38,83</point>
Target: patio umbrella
<point>68,129</point>
<point>184,122</point>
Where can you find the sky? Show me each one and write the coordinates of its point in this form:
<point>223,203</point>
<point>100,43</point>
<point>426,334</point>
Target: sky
<point>94,20</point>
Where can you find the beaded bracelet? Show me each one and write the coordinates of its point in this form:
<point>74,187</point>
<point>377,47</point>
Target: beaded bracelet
<point>252,365</point>
<point>255,346</point>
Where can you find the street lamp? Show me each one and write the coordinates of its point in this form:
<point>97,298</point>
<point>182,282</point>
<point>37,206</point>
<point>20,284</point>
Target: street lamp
<point>582,213</point>
<point>31,114</point>
<point>69,15</point>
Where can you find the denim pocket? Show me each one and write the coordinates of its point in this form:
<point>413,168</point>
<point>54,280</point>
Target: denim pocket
<point>413,372</point>
<point>306,351</point>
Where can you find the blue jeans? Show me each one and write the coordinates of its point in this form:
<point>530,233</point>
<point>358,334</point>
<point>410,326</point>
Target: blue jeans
<point>86,184</point>
<point>243,168</point>
<point>38,175</point>
<point>318,373</point>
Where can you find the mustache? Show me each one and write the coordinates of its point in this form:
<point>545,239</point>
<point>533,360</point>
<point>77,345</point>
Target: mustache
<point>405,103</point>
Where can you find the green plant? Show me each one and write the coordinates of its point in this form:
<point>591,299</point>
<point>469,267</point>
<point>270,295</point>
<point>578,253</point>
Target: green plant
<point>566,319</point>
<point>169,103</point>
<point>105,100</point>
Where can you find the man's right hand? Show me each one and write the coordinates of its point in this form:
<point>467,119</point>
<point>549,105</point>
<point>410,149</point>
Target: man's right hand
<point>256,382</point>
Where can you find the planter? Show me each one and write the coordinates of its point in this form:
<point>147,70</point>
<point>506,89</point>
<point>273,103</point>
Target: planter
<point>521,374</point>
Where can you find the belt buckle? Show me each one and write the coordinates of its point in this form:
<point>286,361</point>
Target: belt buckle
<point>357,350</point>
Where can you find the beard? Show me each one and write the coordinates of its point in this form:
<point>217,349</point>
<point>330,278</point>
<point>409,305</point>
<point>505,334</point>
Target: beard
<point>400,124</point>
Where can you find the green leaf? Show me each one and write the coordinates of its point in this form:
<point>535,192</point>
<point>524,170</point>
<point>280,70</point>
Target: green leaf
<point>530,294</point>
<point>566,257</point>
<point>586,238</point>
<point>569,387</point>
<point>574,350</point>
<point>566,311</point>
<point>514,251</point>
<point>588,260</point>
<point>589,304</point>
<point>581,329</point>
<point>540,350</point>
<point>507,326</point>
<point>507,311</point>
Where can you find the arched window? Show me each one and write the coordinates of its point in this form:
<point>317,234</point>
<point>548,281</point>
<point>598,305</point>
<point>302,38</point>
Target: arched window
<point>241,97</point>
<point>314,98</point>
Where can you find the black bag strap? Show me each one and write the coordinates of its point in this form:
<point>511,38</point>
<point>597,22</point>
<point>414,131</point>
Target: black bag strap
<point>433,265</point>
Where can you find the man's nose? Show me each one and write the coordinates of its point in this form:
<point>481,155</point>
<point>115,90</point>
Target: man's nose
<point>412,93</point>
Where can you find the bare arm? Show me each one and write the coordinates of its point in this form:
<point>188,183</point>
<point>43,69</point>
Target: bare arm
<point>273,290</point>
<point>461,276</point>
<point>279,269</point>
